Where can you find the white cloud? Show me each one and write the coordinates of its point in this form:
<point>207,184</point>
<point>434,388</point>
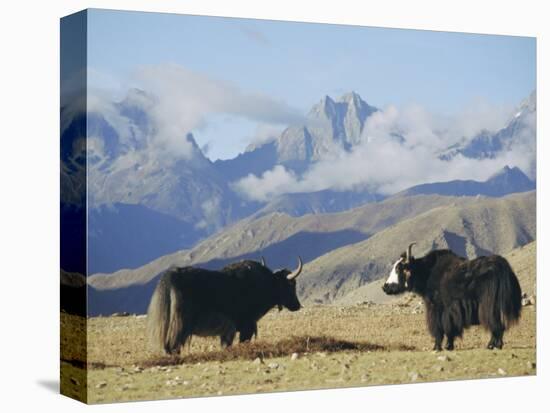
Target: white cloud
<point>183,100</point>
<point>480,115</point>
<point>177,101</point>
<point>264,133</point>
<point>386,163</point>
<point>273,182</point>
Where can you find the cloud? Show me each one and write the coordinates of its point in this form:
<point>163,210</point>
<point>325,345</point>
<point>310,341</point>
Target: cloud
<point>176,101</point>
<point>399,148</point>
<point>273,182</point>
<point>264,133</point>
<point>183,100</point>
<point>480,115</point>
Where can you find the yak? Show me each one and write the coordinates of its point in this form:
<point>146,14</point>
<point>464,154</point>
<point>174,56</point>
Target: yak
<point>194,301</point>
<point>459,293</point>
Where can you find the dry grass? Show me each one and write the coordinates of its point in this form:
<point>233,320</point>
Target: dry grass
<point>265,349</point>
<point>336,347</point>
<point>73,377</point>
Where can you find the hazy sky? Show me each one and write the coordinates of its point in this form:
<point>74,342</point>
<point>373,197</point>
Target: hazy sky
<point>296,64</point>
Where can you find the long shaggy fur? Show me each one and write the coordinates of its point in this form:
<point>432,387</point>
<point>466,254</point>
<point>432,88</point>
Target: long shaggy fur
<point>500,300</point>
<point>482,291</point>
<point>459,293</point>
<point>165,323</point>
<point>192,301</point>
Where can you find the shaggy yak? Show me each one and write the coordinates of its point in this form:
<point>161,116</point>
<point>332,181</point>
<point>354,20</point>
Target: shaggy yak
<point>458,293</point>
<point>193,301</point>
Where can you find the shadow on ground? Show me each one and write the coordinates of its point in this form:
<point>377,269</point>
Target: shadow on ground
<point>253,350</point>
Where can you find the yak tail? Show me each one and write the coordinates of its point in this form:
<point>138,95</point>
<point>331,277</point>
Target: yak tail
<point>165,318</point>
<point>501,304</point>
<point>509,299</point>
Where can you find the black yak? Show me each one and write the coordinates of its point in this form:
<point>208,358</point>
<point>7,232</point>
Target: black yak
<point>193,301</point>
<point>458,293</point>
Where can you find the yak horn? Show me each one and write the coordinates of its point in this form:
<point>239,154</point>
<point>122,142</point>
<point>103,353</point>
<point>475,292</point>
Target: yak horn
<point>409,251</point>
<point>263,262</point>
<point>296,273</point>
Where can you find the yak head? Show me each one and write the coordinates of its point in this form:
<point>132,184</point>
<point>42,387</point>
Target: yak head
<point>399,279</point>
<point>286,287</point>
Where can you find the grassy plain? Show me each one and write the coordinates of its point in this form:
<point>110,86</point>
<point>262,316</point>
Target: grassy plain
<point>316,347</point>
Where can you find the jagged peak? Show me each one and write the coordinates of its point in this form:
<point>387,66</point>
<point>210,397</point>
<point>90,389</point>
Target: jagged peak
<point>351,97</point>
<point>352,100</point>
<point>327,100</point>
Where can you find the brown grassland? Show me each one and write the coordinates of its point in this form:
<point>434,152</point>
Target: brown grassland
<point>369,344</point>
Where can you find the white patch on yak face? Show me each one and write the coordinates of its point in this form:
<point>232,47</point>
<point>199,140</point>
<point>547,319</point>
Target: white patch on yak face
<point>394,276</point>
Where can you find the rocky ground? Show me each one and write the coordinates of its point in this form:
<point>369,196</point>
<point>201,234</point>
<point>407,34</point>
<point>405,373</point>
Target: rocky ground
<point>317,347</point>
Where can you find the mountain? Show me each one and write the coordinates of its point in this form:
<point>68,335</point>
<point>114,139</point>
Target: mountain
<point>128,163</point>
<point>506,181</point>
<point>164,202</point>
<point>330,125</point>
<point>111,150</point>
<point>480,227</point>
<point>254,162</point>
<point>519,133</point>
<point>188,188</point>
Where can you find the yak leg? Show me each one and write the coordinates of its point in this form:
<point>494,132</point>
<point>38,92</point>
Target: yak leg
<point>181,338</point>
<point>247,331</point>
<point>450,342</point>
<point>453,319</point>
<point>496,339</point>
<point>226,339</point>
<point>433,318</point>
<point>438,341</point>
<point>184,337</point>
<point>452,332</point>
<point>496,327</point>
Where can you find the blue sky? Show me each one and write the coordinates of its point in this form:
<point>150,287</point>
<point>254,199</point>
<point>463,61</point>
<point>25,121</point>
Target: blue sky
<point>299,63</point>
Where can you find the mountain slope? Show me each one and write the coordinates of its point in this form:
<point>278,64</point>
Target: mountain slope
<point>128,161</point>
<point>128,236</point>
<point>507,181</point>
<point>252,237</point>
<point>320,202</point>
<point>481,227</point>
